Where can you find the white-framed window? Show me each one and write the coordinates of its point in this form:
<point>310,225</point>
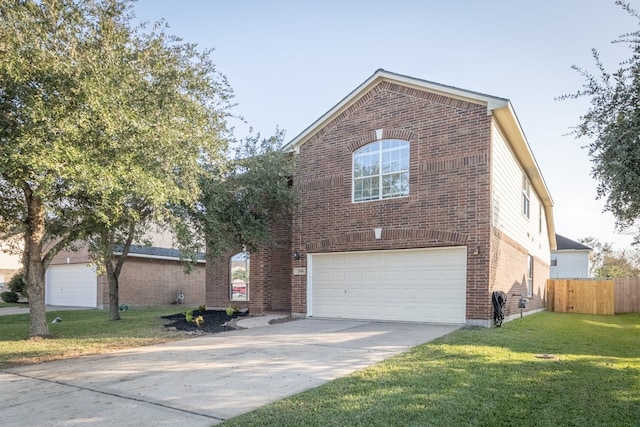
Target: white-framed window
<point>526,196</point>
<point>530,276</point>
<point>239,268</point>
<point>381,170</point>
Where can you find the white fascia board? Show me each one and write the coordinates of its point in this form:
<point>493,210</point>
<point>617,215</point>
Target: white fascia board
<point>491,102</point>
<point>167,258</point>
<point>566,251</point>
<point>510,125</point>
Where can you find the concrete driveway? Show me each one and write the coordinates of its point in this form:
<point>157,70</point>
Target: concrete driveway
<point>204,380</point>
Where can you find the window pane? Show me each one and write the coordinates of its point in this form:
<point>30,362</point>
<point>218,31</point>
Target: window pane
<point>404,182</point>
<point>395,185</point>
<point>366,189</point>
<point>381,170</point>
<point>386,162</point>
<point>357,168</point>
<point>239,277</point>
<point>365,164</point>
<point>404,158</point>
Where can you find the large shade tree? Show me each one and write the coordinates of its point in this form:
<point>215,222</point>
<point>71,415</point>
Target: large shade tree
<point>609,262</point>
<point>244,203</point>
<point>103,127</point>
<point>612,126</point>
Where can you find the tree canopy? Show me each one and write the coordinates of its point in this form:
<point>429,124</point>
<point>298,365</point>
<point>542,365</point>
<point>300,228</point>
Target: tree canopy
<point>609,262</point>
<point>103,126</point>
<point>242,205</point>
<point>612,125</point>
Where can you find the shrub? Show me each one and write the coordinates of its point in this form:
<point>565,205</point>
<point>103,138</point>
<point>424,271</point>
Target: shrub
<point>199,321</point>
<point>188,316</point>
<point>202,308</point>
<point>18,285</point>
<point>9,296</point>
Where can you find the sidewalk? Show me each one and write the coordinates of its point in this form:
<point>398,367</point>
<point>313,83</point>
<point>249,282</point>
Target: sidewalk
<point>6,311</point>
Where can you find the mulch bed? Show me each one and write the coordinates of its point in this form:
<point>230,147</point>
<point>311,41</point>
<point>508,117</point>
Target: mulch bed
<point>214,321</point>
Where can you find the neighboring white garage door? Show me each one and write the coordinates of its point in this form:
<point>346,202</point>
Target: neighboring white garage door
<point>71,285</point>
<point>424,285</point>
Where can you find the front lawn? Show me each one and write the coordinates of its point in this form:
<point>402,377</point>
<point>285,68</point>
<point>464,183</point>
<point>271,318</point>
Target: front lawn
<point>487,377</point>
<point>13,304</point>
<point>81,332</point>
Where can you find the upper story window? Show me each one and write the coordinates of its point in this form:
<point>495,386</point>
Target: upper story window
<point>526,196</point>
<point>381,170</point>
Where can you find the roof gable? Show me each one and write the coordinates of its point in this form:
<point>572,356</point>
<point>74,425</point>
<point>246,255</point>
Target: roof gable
<point>500,108</point>
<point>380,76</point>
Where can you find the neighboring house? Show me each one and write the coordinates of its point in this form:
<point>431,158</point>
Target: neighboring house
<point>9,265</point>
<point>571,260</point>
<point>418,200</point>
<point>150,276</point>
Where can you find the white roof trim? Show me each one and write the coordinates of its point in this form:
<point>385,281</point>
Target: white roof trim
<point>510,125</point>
<point>491,102</point>
<point>168,258</point>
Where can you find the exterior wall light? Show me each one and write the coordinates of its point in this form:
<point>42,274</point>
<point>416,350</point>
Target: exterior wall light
<point>476,251</point>
<point>296,255</point>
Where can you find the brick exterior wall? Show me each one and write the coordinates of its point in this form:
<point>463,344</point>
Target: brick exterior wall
<point>449,203</point>
<point>146,281</point>
<point>509,268</point>
<point>270,276</point>
<point>449,200</point>
<point>81,256</point>
<point>156,282</point>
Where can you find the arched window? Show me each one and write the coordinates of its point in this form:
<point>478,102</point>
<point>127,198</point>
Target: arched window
<point>381,170</point>
<point>239,277</point>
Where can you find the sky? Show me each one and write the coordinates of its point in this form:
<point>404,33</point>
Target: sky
<point>290,61</point>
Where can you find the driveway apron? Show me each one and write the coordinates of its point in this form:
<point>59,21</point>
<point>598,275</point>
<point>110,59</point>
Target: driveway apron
<point>204,380</point>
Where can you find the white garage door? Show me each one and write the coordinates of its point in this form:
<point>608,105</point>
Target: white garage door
<point>71,285</point>
<point>425,285</point>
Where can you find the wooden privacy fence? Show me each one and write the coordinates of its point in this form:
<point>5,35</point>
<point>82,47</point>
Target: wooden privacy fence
<point>627,295</point>
<point>594,296</point>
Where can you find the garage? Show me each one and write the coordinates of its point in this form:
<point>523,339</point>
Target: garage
<point>418,285</point>
<point>71,285</point>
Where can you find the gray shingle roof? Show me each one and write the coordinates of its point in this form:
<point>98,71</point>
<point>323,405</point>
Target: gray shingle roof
<point>565,243</point>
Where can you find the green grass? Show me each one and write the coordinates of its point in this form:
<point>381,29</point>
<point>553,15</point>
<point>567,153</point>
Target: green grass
<point>81,332</point>
<point>487,377</point>
<point>12,304</point>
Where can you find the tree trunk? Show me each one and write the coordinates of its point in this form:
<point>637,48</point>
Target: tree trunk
<point>114,300</point>
<point>33,263</point>
<point>113,271</point>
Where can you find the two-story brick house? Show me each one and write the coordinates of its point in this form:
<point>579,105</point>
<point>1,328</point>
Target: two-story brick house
<point>418,200</point>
